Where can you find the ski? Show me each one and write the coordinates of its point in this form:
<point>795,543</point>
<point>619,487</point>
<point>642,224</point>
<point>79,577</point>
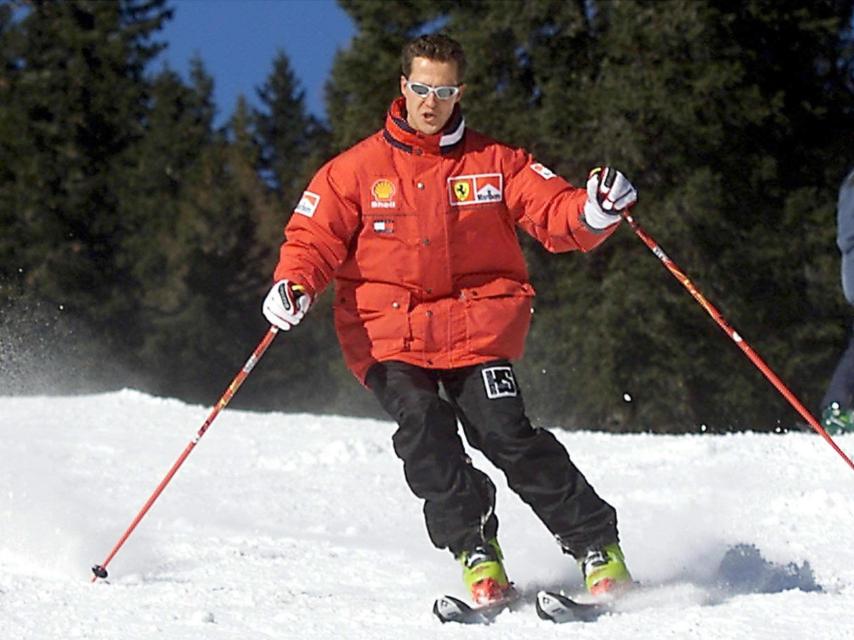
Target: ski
<point>451,609</point>
<point>559,608</point>
<point>552,606</point>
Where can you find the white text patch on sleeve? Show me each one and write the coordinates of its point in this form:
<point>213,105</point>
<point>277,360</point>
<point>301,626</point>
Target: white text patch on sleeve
<point>543,170</point>
<point>308,203</point>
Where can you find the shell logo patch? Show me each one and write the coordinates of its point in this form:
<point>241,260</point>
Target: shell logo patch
<point>382,192</point>
<point>476,189</point>
<point>307,204</point>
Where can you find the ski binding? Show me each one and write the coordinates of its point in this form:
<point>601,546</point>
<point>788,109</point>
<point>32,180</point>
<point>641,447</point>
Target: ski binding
<point>451,609</point>
<point>559,608</point>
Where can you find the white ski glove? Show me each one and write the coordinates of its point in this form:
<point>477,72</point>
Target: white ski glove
<point>609,193</point>
<point>286,304</point>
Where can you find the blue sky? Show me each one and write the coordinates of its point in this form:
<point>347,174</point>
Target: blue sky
<point>238,39</point>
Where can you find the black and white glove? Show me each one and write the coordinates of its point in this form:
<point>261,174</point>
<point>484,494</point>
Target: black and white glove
<point>286,304</point>
<point>609,193</point>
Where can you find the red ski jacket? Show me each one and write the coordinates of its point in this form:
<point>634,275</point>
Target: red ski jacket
<point>419,234</point>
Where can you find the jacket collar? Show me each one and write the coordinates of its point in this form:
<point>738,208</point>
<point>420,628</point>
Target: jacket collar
<point>400,134</point>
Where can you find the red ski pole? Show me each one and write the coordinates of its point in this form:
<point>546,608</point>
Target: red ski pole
<point>733,334</point>
<point>100,570</point>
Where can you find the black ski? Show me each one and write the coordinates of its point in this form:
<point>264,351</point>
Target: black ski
<point>560,608</point>
<point>451,609</point>
<point>551,606</point>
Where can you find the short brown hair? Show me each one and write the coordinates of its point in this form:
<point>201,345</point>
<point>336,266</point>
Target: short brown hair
<point>433,46</point>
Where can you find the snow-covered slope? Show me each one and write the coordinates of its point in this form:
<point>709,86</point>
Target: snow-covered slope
<point>300,526</point>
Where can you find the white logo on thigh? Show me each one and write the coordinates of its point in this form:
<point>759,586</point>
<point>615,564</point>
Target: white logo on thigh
<point>499,382</point>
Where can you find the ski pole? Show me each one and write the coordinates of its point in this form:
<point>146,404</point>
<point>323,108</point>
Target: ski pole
<point>733,334</point>
<point>100,570</point>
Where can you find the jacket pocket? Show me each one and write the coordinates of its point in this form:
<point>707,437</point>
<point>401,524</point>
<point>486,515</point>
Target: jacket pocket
<point>372,318</point>
<point>387,246</point>
<point>498,288</point>
<point>498,315</point>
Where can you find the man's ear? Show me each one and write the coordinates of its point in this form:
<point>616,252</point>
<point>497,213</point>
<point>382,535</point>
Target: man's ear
<point>459,96</point>
<point>402,85</point>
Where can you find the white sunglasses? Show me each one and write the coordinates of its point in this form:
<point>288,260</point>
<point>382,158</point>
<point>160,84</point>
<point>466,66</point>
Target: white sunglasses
<point>424,90</point>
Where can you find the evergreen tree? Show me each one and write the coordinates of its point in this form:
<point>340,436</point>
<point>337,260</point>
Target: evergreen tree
<point>721,146</point>
<point>293,145</point>
<point>214,267</point>
<point>73,77</point>
<point>158,171</point>
<point>12,148</point>
<point>290,137</point>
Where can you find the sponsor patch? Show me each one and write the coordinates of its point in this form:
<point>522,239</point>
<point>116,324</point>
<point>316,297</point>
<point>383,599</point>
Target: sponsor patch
<point>462,190</point>
<point>308,203</point>
<point>543,170</point>
<point>383,226</point>
<point>382,194</point>
<point>476,189</point>
<point>500,383</point>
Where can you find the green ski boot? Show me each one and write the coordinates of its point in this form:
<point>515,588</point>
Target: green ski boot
<point>837,420</point>
<point>483,573</point>
<point>604,570</point>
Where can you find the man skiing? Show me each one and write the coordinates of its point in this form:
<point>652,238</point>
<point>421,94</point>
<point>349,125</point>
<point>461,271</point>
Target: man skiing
<point>416,225</point>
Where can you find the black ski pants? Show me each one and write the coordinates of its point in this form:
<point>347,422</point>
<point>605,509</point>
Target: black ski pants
<point>459,500</point>
<point>841,388</point>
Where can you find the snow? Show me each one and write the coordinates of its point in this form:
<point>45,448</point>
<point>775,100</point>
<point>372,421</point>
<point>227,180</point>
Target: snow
<point>301,526</point>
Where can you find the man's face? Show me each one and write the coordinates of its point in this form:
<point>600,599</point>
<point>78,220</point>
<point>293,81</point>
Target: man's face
<point>429,115</point>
